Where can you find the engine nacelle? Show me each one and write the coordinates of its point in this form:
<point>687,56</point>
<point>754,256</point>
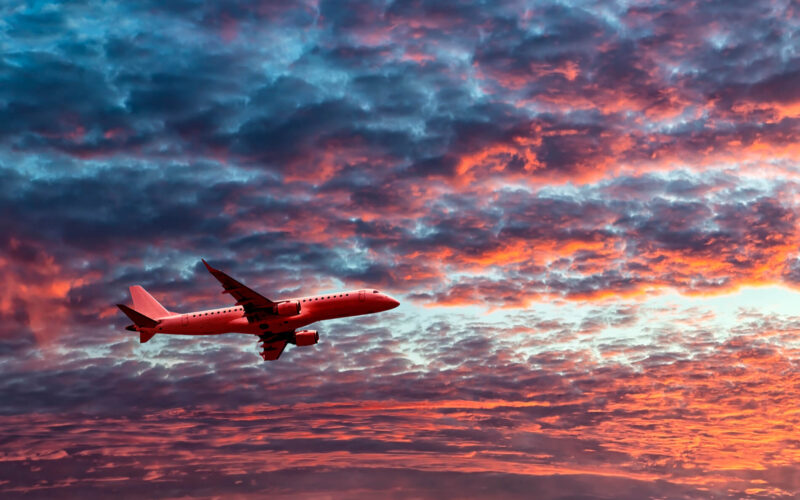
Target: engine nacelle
<point>290,308</point>
<point>306,337</point>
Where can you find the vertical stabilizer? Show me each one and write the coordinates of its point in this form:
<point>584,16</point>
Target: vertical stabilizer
<point>146,304</point>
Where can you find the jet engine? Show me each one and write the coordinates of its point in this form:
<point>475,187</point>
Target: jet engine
<point>289,308</point>
<point>306,337</point>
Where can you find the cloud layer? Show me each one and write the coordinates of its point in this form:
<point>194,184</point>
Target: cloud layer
<point>597,156</point>
<point>358,416</point>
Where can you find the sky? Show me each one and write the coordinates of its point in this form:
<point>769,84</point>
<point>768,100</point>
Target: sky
<point>588,210</point>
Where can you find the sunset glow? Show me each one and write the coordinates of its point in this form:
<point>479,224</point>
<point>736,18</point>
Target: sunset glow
<point>588,211</point>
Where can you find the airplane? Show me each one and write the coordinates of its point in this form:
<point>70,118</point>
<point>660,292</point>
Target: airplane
<point>275,323</point>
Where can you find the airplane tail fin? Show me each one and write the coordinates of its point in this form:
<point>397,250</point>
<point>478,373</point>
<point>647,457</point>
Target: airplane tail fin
<point>141,321</point>
<point>146,304</point>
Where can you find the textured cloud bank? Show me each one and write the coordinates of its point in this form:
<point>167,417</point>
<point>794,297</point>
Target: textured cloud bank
<point>435,138</point>
<point>514,410</point>
<point>501,156</point>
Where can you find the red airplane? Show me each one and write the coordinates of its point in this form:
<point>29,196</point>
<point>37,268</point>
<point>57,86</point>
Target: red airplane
<point>275,323</point>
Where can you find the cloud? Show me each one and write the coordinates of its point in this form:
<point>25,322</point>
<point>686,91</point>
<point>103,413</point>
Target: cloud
<point>495,158</point>
<point>670,417</point>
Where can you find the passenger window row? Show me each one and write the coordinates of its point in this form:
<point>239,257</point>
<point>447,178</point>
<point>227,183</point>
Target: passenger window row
<point>304,300</point>
<point>328,297</point>
<point>216,312</point>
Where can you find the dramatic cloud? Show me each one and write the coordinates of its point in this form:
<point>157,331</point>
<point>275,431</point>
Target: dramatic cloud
<point>550,188</point>
<point>669,417</point>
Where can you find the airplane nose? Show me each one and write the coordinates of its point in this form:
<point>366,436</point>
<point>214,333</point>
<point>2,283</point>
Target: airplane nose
<point>392,302</point>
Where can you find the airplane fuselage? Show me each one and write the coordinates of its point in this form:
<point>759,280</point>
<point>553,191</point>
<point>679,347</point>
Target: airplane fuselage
<point>312,309</point>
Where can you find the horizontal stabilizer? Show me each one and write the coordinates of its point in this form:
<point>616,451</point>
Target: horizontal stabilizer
<point>138,318</point>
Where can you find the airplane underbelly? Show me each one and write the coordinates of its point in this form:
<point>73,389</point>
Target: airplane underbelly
<point>206,326</point>
<point>241,325</point>
<point>287,323</point>
<point>209,326</point>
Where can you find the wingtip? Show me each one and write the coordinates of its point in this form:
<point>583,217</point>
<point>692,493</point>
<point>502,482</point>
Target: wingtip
<point>206,264</point>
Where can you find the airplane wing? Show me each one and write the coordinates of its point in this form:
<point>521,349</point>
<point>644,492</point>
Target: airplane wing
<point>255,305</point>
<point>273,350</point>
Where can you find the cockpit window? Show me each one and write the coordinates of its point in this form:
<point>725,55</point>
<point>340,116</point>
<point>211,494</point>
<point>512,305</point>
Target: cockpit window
<point>374,291</point>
